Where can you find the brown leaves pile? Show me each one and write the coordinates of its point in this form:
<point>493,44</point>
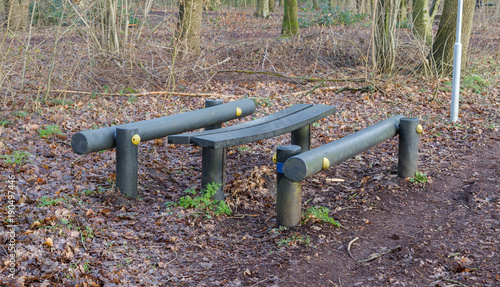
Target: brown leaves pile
<point>253,190</point>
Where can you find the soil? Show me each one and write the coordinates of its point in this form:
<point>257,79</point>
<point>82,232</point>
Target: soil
<point>73,228</point>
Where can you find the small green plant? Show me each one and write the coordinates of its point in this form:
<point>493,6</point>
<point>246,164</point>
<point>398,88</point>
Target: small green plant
<point>295,239</point>
<point>17,157</point>
<point>132,99</point>
<point>20,114</point>
<point>86,233</point>
<point>419,178</point>
<point>204,203</point>
<point>49,131</point>
<point>47,201</point>
<point>5,123</point>
<point>86,266</point>
<point>328,16</point>
<point>403,25</point>
<point>319,213</point>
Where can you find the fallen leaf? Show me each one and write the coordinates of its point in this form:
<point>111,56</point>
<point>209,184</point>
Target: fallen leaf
<point>89,212</point>
<point>49,242</point>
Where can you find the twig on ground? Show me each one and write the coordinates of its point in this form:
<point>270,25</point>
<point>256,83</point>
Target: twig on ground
<point>83,243</point>
<point>454,282</point>
<point>314,88</point>
<point>261,281</point>
<point>291,77</point>
<point>377,255</point>
<point>134,94</point>
<point>349,247</point>
<point>64,143</point>
<point>75,160</point>
<point>239,216</point>
<point>336,89</point>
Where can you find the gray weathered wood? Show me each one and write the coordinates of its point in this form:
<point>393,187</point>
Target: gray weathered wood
<point>187,138</point>
<point>266,130</point>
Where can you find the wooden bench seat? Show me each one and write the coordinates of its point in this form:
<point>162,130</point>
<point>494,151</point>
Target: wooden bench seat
<point>296,119</point>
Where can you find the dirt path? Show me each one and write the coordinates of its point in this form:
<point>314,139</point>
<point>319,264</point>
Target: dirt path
<point>442,235</point>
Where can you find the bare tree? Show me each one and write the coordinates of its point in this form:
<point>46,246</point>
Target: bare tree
<point>17,14</point>
<point>290,18</point>
<point>262,10</point>
<point>442,49</point>
<point>108,12</point>
<point>385,16</point>
<point>423,19</point>
<point>189,24</point>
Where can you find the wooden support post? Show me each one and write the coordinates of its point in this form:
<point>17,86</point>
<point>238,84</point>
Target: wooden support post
<point>302,138</point>
<point>409,135</point>
<point>127,164</point>
<point>213,166</point>
<point>213,161</point>
<point>288,198</point>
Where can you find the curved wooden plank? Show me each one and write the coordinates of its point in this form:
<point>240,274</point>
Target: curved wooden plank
<point>266,130</point>
<point>187,138</point>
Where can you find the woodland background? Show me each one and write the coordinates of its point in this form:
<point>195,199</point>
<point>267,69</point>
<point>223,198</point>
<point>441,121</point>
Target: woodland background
<point>68,66</point>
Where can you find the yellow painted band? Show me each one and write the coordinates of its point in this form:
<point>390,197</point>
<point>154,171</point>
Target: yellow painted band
<point>238,112</point>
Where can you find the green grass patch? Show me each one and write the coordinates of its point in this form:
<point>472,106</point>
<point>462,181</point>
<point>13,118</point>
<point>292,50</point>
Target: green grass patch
<point>204,204</point>
<point>50,131</point>
<point>47,201</point>
<point>17,157</point>
<point>294,239</point>
<point>319,213</point>
<point>419,178</point>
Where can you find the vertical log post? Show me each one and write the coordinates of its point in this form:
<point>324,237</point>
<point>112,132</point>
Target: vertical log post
<point>288,199</point>
<point>213,161</point>
<point>409,135</point>
<point>302,138</point>
<point>127,164</point>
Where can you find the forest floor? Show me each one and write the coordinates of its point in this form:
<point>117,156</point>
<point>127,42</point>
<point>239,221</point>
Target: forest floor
<point>71,227</point>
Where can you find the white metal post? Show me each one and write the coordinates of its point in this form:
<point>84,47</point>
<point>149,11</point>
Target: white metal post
<point>457,61</point>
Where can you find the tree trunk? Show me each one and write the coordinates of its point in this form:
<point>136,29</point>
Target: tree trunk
<point>271,6</point>
<point>262,10</point>
<point>385,20</point>
<point>351,5</point>
<point>423,20</point>
<point>189,24</point>
<point>108,11</point>
<point>17,14</point>
<point>365,6</point>
<point>446,35</point>
<point>403,12</point>
<point>290,20</point>
<point>315,4</point>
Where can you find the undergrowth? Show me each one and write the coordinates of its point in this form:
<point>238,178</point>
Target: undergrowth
<point>204,204</point>
<point>319,213</point>
<point>328,16</point>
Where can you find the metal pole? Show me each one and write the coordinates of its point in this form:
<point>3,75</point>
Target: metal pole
<point>127,160</point>
<point>302,137</point>
<point>288,198</point>
<point>409,130</point>
<point>457,62</point>
<point>213,161</point>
